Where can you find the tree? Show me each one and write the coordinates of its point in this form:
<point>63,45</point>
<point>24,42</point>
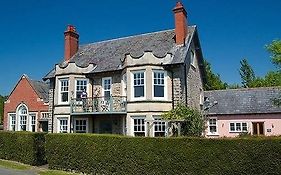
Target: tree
<point>247,74</point>
<point>214,81</point>
<point>2,99</point>
<point>193,121</point>
<point>274,49</point>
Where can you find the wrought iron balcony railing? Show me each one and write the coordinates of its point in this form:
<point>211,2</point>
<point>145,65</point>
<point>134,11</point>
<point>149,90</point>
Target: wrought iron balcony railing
<point>98,105</point>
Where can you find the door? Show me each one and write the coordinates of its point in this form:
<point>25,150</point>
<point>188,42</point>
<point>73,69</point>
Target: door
<point>258,128</point>
<point>105,127</point>
<point>44,126</point>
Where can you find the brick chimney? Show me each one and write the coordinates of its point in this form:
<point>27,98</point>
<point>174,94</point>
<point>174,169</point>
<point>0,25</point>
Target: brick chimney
<point>181,28</point>
<point>71,42</point>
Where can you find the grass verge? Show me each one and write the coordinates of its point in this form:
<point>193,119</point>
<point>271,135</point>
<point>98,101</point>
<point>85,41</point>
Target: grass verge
<point>14,165</point>
<point>55,172</point>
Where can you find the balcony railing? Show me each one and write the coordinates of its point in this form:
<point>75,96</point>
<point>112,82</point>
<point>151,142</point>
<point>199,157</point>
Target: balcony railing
<point>98,105</point>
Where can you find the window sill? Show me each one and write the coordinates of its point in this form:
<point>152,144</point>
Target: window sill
<point>212,134</point>
<point>238,132</point>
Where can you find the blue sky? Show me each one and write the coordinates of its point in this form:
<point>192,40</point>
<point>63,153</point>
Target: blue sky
<point>32,31</point>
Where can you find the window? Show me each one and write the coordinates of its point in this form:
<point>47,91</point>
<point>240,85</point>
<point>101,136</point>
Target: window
<point>63,124</point>
<point>80,86</point>
<point>80,125</point>
<point>139,126</point>
<point>32,122</point>
<point>12,122</point>
<point>23,118</point>
<point>213,126</point>
<point>64,90</point>
<point>44,115</point>
<point>238,127</point>
<point>192,58</point>
<point>106,85</point>
<point>138,84</point>
<point>159,127</point>
<point>159,84</point>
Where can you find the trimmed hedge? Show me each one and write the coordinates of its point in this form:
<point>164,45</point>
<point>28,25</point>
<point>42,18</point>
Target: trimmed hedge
<point>101,154</point>
<point>25,147</point>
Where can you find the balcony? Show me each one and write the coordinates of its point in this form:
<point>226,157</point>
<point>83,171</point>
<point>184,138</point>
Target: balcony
<point>99,105</point>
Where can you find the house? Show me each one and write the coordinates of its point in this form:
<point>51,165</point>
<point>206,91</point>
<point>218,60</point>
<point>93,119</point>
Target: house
<point>129,81</point>
<point>27,107</point>
<point>237,111</point>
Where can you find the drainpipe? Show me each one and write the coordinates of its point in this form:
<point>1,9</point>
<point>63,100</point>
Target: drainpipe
<point>53,105</point>
<point>185,84</point>
<point>173,96</point>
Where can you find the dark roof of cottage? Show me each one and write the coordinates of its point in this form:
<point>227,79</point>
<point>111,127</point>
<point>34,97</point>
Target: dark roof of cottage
<point>244,101</point>
<point>107,55</point>
<point>41,88</point>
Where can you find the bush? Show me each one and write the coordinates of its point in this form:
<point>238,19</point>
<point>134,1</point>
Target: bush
<point>101,154</point>
<point>25,147</point>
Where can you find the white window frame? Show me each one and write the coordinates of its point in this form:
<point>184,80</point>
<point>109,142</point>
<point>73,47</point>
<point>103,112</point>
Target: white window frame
<point>235,127</point>
<point>209,131</point>
<point>133,86</point>
<point>157,120</point>
<point>60,91</point>
<point>103,84</point>
<point>87,86</point>
<point>20,115</point>
<point>59,119</point>
<point>133,125</point>
<point>193,58</point>
<point>87,124</point>
<point>12,122</point>
<point>30,121</point>
<point>165,85</point>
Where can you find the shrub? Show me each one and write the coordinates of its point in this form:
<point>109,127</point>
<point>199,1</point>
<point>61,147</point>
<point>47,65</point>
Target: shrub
<point>101,154</point>
<point>25,147</point>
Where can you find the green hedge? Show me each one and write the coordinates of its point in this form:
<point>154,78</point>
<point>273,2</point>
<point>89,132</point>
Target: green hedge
<point>100,154</point>
<point>25,147</point>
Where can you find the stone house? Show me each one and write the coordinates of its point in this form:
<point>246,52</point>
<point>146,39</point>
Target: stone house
<point>238,111</point>
<point>27,107</point>
<point>129,81</point>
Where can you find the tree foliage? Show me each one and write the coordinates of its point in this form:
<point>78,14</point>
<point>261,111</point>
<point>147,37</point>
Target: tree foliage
<point>193,121</point>
<point>214,81</point>
<point>274,49</point>
<point>247,73</point>
<point>2,99</point>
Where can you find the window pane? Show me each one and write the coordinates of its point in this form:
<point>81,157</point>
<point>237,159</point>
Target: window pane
<point>139,91</point>
<point>158,91</point>
<point>232,127</point>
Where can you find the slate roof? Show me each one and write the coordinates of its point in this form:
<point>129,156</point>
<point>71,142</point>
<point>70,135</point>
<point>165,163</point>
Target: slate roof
<point>244,101</point>
<point>41,88</point>
<point>107,55</point>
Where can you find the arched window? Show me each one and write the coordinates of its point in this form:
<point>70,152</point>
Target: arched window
<point>22,113</point>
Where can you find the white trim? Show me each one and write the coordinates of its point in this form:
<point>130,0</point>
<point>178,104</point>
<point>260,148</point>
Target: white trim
<point>30,121</point>
<point>133,98</point>
<point>87,124</point>
<point>103,79</point>
<point>59,91</point>
<point>10,121</point>
<point>235,129</point>
<point>18,117</point>
<point>58,124</point>
<point>133,124</point>
<point>208,124</point>
<point>165,85</point>
<point>155,118</point>
<point>193,58</point>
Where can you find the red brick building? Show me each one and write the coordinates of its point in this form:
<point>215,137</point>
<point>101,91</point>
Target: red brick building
<point>26,108</point>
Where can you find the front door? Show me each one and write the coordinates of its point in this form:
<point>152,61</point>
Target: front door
<point>258,128</point>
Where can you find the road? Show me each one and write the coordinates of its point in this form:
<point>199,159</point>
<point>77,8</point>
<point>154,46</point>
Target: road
<point>4,171</point>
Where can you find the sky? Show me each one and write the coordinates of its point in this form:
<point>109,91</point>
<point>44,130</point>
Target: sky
<point>32,40</point>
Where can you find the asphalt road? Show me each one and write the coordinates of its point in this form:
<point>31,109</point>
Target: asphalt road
<point>4,171</point>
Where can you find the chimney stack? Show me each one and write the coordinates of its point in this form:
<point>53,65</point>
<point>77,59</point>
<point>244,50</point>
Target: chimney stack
<point>181,26</point>
<point>71,42</point>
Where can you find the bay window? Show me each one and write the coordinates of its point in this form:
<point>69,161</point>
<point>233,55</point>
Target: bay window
<point>138,84</point>
<point>64,83</point>
<point>139,126</point>
<point>159,84</point>
<point>80,86</point>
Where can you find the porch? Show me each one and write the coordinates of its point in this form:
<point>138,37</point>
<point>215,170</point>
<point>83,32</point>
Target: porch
<point>99,105</point>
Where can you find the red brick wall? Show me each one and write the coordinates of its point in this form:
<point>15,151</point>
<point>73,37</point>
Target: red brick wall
<point>23,93</point>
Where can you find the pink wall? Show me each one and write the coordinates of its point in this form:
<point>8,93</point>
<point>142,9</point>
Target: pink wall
<point>271,122</point>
